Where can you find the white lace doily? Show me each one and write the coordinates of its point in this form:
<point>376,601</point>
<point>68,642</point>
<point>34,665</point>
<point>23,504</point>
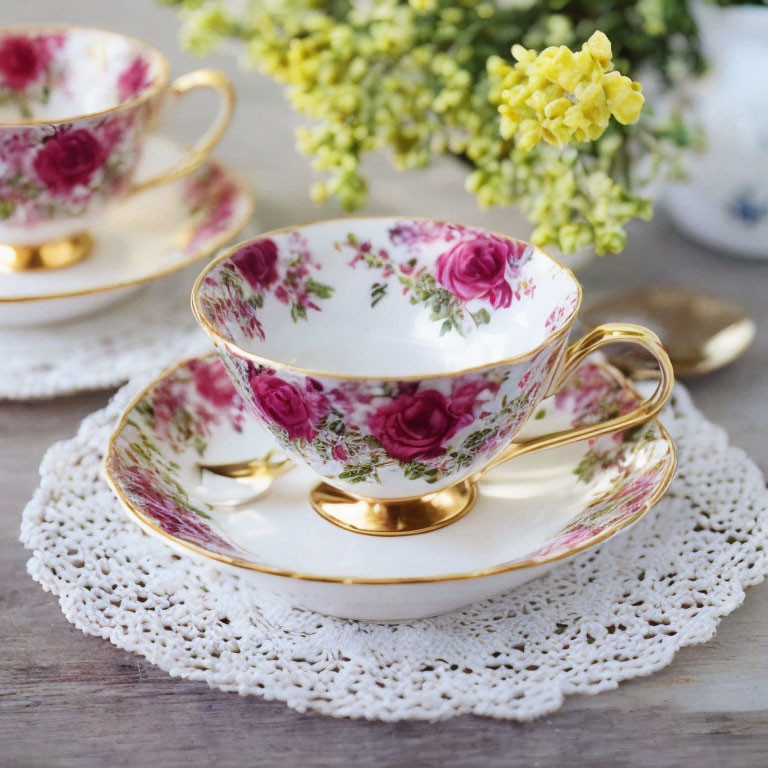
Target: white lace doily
<point>617,612</point>
<point>151,327</point>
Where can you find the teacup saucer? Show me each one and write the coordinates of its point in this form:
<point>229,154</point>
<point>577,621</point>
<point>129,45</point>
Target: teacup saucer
<point>140,239</point>
<point>531,513</point>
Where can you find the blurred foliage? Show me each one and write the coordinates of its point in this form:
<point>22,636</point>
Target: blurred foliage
<point>419,78</point>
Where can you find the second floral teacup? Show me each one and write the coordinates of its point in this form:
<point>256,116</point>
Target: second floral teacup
<point>76,105</point>
<point>399,358</point>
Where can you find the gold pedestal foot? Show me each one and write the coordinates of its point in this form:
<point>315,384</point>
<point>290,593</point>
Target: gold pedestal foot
<point>393,518</point>
<point>52,255</point>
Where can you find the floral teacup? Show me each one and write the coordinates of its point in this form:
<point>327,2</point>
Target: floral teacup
<point>399,358</point>
<point>76,105</point>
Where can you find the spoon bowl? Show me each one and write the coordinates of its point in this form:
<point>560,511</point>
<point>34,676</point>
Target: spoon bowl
<point>700,333</point>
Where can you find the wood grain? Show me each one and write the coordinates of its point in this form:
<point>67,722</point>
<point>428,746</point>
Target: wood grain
<point>71,700</point>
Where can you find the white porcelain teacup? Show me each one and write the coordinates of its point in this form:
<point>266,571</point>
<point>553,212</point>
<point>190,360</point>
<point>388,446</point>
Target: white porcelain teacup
<point>76,106</point>
<point>398,358</point>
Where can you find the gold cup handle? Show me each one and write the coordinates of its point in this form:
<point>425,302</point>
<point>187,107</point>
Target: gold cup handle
<point>200,78</point>
<point>575,354</point>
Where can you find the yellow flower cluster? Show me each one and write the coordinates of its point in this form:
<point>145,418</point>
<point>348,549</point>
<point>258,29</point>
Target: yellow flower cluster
<point>559,96</point>
<point>569,196</point>
<point>417,78</point>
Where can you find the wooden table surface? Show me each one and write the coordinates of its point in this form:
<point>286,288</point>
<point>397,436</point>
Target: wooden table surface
<point>71,700</point>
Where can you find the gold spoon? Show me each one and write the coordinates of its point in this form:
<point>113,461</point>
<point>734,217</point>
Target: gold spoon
<point>700,333</point>
<point>257,473</point>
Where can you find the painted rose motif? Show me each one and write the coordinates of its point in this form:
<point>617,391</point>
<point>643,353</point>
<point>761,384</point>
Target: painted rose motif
<point>213,384</point>
<point>466,390</point>
<point>595,396</point>
<point>415,426</point>
<point>235,291</point>
<point>473,265</point>
<point>55,171</point>
<point>22,61</point>
<point>286,406</point>
<point>257,263</point>
<point>426,431</point>
<point>415,233</point>
<point>67,159</point>
<point>133,80</point>
<point>184,408</point>
<point>48,172</point>
<point>156,498</point>
<point>477,269</point>
<point>339,452</point>
<point>212,198</point>
<point>169,401</point>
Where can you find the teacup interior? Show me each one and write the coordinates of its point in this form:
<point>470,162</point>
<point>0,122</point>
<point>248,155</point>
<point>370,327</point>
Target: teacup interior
<point>52,74</point>
<point>387,297</point>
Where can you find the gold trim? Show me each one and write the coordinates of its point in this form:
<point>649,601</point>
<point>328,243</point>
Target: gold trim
<point>481,573</point>
<point>245,192</point>
<point>54,254</point>
<point>393,517</point>
<point>218,339</point>
<point>199,152</point>
<point>608,333</point>
<point>160,84</point>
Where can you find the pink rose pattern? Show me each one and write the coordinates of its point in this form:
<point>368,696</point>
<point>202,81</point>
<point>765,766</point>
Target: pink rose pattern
<point>417,426</point>
<point>165,506</point>
<point>295,410</point>
<point>134,79</point>
<point>481,268</point>
<point>477,271</point>
<point>32,65</point>
<point>257,263</point>
<point>197,398</point>
<point>424,430</point>
<point>178,414</point>
<point>183,408</point>
<point>211,197</point>
<point>68,159</point>
<point>24,60</point>
<point>235,290</point>
<point>49,171</point>
<point>29,70</point>
<point>593,394</point>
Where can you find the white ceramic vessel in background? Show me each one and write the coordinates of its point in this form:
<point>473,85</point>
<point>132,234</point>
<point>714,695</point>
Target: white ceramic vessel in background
<point>139,239</point>
<point>531,513</point>
<point>724,201</point>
